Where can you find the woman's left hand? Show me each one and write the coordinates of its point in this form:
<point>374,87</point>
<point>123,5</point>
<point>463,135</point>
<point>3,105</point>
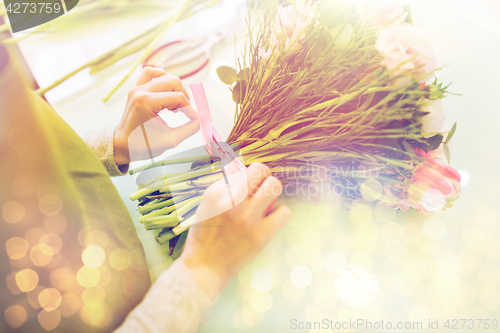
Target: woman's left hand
<point>142,133</point>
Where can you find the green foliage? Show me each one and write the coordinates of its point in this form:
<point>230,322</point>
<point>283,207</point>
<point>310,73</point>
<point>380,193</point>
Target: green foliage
<point>434,142</point>
<point>451,133</point>
<point>239,91</point>
<point>407,9</point>
<point>227,74</point>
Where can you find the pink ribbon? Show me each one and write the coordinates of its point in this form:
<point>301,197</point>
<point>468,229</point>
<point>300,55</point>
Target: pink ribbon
<point>211,140</point>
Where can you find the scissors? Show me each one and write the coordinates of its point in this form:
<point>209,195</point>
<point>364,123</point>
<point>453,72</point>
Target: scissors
<point>189,52</point>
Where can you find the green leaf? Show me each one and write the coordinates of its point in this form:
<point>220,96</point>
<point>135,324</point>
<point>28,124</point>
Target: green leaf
<point>447,153</point>
<point>407,9</point>
<point>434,142</point>
<point>342,34</point>
<point>452,132</point>
<point>244,74</point>
<point>239,91</point>
<point>227,74</point>
<point>409,149</point>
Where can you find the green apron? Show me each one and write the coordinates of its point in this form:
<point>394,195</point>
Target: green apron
<point>70,254</point>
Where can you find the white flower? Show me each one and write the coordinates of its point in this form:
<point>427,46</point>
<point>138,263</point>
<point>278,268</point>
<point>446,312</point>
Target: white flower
<point>404,46</point>
<point>433,122</point>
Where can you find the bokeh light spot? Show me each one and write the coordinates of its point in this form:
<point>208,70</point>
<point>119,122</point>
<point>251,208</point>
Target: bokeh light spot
<point>262,280</point>
<point>55,224</point>
<point>99,317</point>
<point>49,320</point>
<point>50,299</point>
<point>50,204</point>
<point>13,212</point>
<point>93,256</point>
<point>69,305</point>
<point>464,177</point>
<point>93,297</point>
<point>335,261</point>
<point>23,185</point>
<point>434,229</point>
<point>16,247</point>
<point>53,241</point>
<point>118,259</point>
<point>15,316</point>
<point>360,214</point>
<point>261,301</point>
<point>33,297</point>
<point>62,279</point>
<point>88,277</point>
<point>26,280</point>
<point>41,255</point>
<point>301,276</point>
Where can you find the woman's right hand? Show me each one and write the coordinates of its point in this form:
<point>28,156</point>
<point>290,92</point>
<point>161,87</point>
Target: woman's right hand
<point>218,247</point>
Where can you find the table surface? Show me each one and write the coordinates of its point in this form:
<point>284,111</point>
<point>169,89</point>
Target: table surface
<point>414,268</point>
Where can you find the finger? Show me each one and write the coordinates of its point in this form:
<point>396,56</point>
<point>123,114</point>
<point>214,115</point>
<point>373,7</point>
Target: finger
<point>266,194</point>
<point>257,173</point>
<point>150,73</point>
<point>275,221</point>
<point>243,183</point>
<point>166,83</point>
<point>189,111</point>
<point>169,100</point>
<point>181,133</point>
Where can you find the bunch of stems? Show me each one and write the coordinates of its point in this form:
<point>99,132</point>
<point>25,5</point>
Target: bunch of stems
<point>317,104</point>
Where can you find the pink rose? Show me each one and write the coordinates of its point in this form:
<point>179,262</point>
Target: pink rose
<point>403,48</point>
<point>289,26</point>
<point>391,13</point>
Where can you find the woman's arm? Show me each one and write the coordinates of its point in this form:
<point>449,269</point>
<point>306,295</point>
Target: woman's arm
<point>103,145</point>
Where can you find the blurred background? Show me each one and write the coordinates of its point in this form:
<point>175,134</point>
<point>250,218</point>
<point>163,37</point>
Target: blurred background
<point>327,263</point>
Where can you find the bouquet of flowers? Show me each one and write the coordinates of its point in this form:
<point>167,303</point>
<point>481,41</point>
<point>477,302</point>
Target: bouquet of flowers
<point>332,96</point>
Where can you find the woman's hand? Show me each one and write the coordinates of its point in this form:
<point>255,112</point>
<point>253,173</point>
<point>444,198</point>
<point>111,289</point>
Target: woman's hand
<point>141,133</point>
<point>218,247</point>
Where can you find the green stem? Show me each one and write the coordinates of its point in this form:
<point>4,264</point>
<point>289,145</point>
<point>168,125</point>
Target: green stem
<point>162,238</point>
<point>174,203</point>
<point>184,226</point>
<point>169,162</point>
<point>160,222</point>
<point>41,91</point>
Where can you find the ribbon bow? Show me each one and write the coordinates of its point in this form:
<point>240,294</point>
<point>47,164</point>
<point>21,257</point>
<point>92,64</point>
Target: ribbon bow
<point>230,162</point>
